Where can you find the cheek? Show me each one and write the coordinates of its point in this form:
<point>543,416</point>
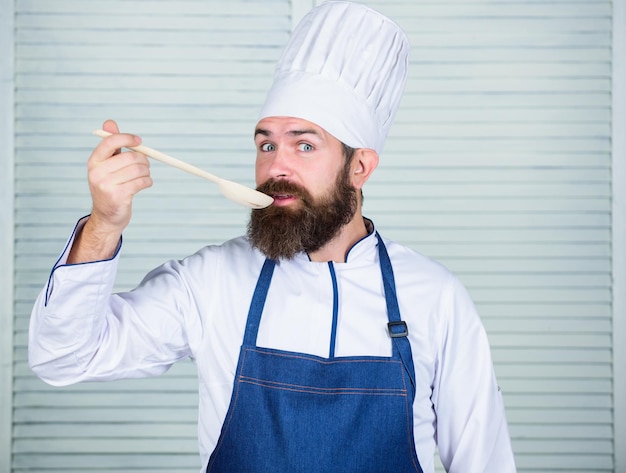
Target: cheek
<point>324,183</point>
<point>260,172</point>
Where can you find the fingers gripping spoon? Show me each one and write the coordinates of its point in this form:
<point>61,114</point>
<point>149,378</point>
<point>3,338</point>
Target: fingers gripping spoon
<point>231,190</point>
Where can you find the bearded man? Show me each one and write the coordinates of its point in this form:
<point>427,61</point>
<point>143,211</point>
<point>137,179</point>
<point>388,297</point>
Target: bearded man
<point>320,345</point>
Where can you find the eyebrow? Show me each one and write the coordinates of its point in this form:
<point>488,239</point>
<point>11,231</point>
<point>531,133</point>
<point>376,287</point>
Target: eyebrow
<point>262,131</point>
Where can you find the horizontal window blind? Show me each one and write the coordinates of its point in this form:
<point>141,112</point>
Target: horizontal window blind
<point>499,165</point>
<point>189,77</point>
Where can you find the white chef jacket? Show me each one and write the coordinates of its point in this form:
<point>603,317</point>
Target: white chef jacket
<point>197,308</point>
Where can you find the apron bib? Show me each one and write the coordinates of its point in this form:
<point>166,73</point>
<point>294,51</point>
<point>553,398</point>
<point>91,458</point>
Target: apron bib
<point>298,413</point>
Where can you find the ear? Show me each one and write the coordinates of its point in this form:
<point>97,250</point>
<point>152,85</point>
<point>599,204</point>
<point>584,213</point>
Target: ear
<point>364,162</point>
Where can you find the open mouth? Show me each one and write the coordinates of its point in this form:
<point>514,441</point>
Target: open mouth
<point>281,199</point>
<point>283,192</point>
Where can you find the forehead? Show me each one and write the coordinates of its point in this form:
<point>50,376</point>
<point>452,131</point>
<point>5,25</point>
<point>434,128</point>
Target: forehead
<point>290,126</point>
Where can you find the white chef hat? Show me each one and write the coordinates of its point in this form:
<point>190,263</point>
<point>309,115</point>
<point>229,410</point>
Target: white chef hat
<point>344,69</point>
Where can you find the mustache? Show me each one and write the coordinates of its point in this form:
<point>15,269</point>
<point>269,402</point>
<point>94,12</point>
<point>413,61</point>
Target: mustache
<point>281,186</point>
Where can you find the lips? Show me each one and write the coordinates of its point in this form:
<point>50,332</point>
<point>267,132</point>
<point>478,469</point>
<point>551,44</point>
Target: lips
<point>282,196</point>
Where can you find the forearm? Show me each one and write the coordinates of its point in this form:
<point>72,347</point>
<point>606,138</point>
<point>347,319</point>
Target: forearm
<point>471,422</point>
<point>67,320</point>
<point>80,331</point>
<point>69,316</point>
<point>85,333</point>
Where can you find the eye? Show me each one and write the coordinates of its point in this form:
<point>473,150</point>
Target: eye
<point>268,147</point>
<point>306,147</point>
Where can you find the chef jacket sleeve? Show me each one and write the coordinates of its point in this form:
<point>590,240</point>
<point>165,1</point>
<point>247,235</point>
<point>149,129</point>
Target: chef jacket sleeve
<point>80,331</point>
<point>472,432</point>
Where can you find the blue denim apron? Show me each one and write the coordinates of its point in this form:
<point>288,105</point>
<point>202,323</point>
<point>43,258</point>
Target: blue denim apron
<point>296,413</point>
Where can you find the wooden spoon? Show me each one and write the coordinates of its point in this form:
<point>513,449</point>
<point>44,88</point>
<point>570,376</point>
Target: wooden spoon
<point>232,190</point>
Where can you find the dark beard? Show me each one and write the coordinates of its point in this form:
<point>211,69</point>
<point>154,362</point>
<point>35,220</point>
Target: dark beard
<point>282,232</point>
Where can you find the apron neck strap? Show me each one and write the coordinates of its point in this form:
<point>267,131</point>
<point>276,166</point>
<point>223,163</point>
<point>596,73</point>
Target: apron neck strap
<point>399,338</point>
<point>258,301</point>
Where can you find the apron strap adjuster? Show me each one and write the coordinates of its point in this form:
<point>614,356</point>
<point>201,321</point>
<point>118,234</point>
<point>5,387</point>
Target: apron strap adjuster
<point>397,329</point>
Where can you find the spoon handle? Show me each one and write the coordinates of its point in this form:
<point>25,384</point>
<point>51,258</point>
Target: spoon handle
<point>164,158</point>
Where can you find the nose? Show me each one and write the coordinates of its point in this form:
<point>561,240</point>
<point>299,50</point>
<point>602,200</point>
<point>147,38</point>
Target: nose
<point>281,164</point>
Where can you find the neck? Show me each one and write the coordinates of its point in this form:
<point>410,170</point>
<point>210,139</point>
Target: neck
<point>337,249</point>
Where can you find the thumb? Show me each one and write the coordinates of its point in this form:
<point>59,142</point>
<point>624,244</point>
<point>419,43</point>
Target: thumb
<point>111,127</point>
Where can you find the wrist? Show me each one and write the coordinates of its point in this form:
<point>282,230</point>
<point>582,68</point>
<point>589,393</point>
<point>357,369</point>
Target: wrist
<point>96,241</point>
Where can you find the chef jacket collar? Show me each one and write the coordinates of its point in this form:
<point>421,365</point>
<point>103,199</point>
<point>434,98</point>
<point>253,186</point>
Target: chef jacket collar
<point>360,249</point>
